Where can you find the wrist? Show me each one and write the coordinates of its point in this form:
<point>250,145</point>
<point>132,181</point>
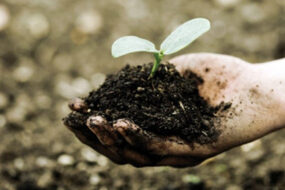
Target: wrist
<point>273,73</point>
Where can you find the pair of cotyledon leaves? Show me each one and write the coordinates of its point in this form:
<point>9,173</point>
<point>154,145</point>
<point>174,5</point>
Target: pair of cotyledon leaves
<point>177,40</point>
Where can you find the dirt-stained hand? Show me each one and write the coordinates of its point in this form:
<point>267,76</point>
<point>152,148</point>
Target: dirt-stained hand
<point>258,108</point>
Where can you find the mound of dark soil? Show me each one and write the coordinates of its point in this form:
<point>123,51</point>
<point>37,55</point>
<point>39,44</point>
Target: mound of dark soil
<point>167,104</point>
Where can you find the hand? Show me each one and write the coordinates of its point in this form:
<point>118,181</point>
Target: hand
<point>258,108</point>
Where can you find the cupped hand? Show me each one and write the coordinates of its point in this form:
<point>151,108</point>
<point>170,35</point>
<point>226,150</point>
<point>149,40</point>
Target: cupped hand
<point>258,108</point>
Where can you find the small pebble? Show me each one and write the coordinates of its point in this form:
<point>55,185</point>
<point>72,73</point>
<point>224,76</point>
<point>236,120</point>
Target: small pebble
<point>3,100</point>
<point>89,22</point>
<point>102,161</point>
<point>19,163</point>
<point>16,114</point>
<point>4,17</point>
<point>190,178</point>
<point>45,179</point>
<point>43,161</point>
<point>253,13</point>
<point>38,25</point>
<point>43,101</point>
<point>227,3</point>
<point>81,86</point>
<point>2,121</point>
<point>94,179</point>
<point>83,166</point>
<point>64,89</point>
<point>23,73</point>
<point>65,160</point>
<point>89,155</point>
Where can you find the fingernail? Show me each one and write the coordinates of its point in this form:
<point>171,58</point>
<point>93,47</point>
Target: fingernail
<point>121,123</point>
<point>77,104</point>
<point>124,123</point>
<point>95,121</point>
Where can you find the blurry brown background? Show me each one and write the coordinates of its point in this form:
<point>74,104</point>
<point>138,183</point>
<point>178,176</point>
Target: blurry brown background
<point>53,50</point>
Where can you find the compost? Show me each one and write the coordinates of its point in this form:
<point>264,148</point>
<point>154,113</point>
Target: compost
<point>167,104</point>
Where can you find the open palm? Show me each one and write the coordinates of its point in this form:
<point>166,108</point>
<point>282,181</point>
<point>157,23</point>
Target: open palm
<point>256,110</point>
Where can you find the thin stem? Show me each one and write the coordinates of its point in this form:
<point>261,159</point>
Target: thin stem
<point>158,58</point>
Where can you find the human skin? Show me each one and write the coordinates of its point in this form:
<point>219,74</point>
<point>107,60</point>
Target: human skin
<point>256,92</point>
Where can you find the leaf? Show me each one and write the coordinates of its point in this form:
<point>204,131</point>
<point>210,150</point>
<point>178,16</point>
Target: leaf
<point>184,35</point>
<point>131,44</point>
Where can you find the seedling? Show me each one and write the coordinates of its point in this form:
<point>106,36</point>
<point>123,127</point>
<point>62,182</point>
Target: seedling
<point>181,37</point>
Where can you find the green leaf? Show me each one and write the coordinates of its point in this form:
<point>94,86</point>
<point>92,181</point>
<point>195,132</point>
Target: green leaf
<point>184,35</point>
<point>131,44</point>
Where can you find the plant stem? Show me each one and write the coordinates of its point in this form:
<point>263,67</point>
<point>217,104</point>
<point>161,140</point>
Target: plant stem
<point>158,58</point>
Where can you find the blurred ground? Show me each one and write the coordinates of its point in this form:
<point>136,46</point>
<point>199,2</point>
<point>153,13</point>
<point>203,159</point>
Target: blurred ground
<point>53,50</point>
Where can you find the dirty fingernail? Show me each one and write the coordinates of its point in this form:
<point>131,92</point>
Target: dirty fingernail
<point>122,123</point>
<point>77,104</point>
<point>95,121</point>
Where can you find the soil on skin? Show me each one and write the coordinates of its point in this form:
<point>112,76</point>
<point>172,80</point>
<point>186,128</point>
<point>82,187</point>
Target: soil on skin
<point>167,104</point>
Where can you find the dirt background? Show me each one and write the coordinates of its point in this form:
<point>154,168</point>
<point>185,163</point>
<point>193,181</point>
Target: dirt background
<point>53,50</point>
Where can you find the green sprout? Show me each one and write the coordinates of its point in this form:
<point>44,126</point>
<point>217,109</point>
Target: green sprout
<point>177,40</point>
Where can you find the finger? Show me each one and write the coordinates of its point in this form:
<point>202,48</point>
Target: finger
<point>161,146</point>
<point>88,138</point>
<point>104,132</point>
<point>131,132</point>
<point>133,135</point>
<point>78,105</point>
<point>123,155</point>
<point>106,143</point>
<point>109,138</point>
<point>141,139</point>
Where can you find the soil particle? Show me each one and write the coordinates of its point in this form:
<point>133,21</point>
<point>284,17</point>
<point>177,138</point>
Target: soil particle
<point>167,104</point>
<point>225,106</point>
<point>254,93</point>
